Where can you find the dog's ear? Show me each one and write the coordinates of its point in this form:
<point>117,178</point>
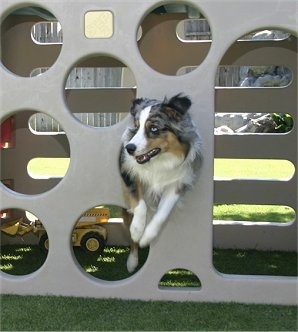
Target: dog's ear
<point>177,106</point>
<point>136,106</point>
<point>180,103</point>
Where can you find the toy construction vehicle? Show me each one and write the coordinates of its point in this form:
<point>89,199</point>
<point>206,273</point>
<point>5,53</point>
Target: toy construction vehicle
<point>88,232</point>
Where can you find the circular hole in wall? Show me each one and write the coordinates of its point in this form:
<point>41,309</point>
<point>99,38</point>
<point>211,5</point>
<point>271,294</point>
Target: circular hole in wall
<point>31,40</point>
<point>175,38</point>
<point>24,242</point>
<point>99,91</point>
<point>35,152</point>
<point>101,243</point>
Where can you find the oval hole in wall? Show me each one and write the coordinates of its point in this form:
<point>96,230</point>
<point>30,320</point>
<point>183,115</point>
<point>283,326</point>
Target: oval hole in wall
<point>253,123</point>
<point>48,168</point>
<point>256,76</point>
<point>268,34</point>
<point>253,214</point>
<point>254,169</point>
<point>255,262</point>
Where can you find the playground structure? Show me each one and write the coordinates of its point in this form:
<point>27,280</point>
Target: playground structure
<point>97,35</point>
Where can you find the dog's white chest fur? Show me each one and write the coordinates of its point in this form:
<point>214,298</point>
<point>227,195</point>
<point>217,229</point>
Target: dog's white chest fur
<point>159,173</point>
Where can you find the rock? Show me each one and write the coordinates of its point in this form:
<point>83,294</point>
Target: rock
<point>223,130</point>
<point>228,123</point>
<point>264,124</point>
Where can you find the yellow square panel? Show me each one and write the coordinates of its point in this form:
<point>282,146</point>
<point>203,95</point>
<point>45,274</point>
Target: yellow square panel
<point>99,24</point>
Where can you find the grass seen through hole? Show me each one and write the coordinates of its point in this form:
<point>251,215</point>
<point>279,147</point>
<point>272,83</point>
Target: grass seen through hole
<point>111,265</point>
<point>21,259</point>
<point>254,262</point>
<point>180,278</point>
<point>245,212</point>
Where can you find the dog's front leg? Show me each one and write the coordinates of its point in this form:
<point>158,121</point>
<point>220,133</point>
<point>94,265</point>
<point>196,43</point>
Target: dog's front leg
<point>133,257</point>
<point>166,204</point>
<point>138,223</point>
<point>137,227</point>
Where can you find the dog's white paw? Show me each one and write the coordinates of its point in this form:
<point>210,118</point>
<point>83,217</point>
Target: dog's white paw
<point>132,262</point>
<point>149,235</point>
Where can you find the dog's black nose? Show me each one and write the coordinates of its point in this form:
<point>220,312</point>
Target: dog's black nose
<point>130,148</point>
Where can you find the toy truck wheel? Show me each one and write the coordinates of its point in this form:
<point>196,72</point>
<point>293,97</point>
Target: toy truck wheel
<point>44,242</point>
<point>93,242</point>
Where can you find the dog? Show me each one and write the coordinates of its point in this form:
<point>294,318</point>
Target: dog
<point>159,161</point>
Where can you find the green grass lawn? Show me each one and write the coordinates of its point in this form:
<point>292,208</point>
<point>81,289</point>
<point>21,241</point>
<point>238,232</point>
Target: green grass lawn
<point>47,313</point>
<point>253,169</point>
<point>245,212</point>
<point>44,168</point>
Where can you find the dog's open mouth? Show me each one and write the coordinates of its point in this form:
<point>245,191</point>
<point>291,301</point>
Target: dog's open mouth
<point>144,158</point>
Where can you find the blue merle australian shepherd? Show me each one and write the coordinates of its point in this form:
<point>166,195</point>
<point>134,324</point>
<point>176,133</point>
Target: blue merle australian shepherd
<point>159,160</point>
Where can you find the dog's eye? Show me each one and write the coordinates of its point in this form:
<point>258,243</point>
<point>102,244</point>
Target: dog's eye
<point>154,130</point>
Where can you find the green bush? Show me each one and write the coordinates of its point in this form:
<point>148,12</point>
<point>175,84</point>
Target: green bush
<point>284,122</point>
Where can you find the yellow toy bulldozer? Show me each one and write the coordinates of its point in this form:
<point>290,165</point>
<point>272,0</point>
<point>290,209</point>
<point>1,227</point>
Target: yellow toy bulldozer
<point>88,232</point>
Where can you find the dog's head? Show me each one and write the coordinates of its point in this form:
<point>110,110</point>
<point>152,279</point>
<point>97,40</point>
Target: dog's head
<point>159,127</point>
